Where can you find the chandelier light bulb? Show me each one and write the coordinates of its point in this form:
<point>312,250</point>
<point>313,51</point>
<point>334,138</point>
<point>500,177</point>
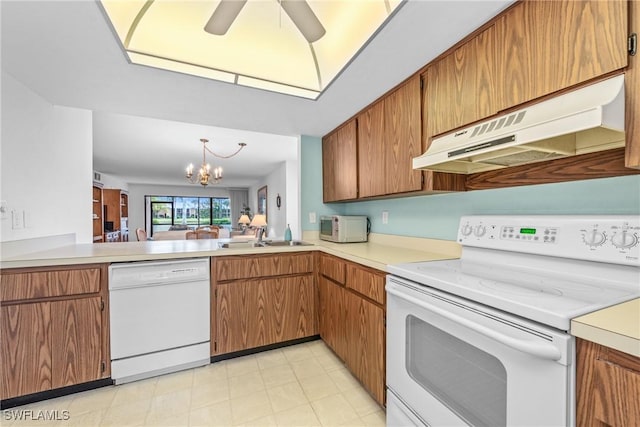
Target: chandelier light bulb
<point>205,169</point>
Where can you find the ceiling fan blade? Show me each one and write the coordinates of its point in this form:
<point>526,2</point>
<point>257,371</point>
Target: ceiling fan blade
<point>303,17</point>
<point>223,16</point>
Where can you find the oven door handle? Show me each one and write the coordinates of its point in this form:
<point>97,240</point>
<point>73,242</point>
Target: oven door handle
<point>539,349</point>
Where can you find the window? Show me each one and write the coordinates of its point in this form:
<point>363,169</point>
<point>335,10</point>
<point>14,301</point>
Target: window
<point>172,212</point>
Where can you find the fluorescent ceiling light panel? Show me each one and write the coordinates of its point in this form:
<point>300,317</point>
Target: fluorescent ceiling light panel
<point>263,47</point>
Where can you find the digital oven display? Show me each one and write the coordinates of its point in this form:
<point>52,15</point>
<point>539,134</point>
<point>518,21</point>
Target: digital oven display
<point>527,231</point>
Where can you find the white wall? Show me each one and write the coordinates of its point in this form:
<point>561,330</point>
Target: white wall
<point>113,182</point>
<point>137,192</point>
<point>46,165</point>
<point>292,202</point>
<point>276,183</point>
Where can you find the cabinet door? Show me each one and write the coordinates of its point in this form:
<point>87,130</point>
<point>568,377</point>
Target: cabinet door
<point>340,164</point>
<point>632,97</point>
<point>365,335</point>
<point>460,88</point>
<point>403,140</point>
<point>372,178</point>
<point>26,349</point>
<point>546,46</point>
<point>254,313</point>
<point>332,316</point>
<point>76,332</point>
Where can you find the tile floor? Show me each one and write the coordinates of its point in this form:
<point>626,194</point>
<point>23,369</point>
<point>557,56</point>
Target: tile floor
<point>302,385</point>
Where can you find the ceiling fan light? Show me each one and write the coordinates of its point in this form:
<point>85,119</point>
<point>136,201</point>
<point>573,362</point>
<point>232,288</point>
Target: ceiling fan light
<point>303,17</point>
<point>224,15</point>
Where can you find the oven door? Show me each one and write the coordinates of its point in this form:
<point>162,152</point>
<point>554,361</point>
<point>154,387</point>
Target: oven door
<point>455,362</point>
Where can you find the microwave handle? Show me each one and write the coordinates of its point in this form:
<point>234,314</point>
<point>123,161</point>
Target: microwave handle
<point>538,349</point>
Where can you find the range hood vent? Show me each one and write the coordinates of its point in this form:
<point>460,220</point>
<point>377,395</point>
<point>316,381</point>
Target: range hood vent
<point>583,121</point>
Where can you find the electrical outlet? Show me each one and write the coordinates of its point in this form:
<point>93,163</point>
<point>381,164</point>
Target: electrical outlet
<point>312,217</point>
<point>385,217</point>
<point>17,220</point>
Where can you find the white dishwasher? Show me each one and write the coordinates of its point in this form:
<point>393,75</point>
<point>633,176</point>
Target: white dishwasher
<point>159,315</point>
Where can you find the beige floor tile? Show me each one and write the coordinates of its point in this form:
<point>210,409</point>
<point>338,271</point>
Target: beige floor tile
<point>169,404</point>
<point>334,410</point>
<point>241,366</point>
<point>210,374</point>
<point>130,392</point>
<point>208,394</point>
<point>133,414</point>
<point>218,414</point>
<point>267,421</point>
<point>286,396</point>
<point>251,407</point>
<point>93,418</point>
<point>301,416</point>
<point>361,401</point>
<point>297,352</point>
<point>318,348</point>
<point>377,419</point>
<point>175,420</point>
<point>278,375</point>
<point>92,400</point>
<point>343,379</point>
<point>318,387</point>
<point>174,382</point>
<point>270,359</point>
<point>330,362</point>
<point>306,368</point>
<point>243,385</point>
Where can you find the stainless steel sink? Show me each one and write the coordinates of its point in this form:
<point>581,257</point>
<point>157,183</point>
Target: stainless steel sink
<point>284,243</point>
<point>263,244</point>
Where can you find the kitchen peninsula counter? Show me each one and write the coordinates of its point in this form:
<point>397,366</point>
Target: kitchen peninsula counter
<point>380,251</point>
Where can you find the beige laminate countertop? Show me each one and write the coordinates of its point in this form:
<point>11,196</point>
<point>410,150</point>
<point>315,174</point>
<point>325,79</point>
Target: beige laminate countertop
<point>617,327</point>
<point>380,251</point>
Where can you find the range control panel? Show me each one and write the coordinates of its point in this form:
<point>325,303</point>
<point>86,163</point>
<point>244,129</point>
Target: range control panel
<point>610,238</point>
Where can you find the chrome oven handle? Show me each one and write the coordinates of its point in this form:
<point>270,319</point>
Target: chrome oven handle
<point>538,349</point>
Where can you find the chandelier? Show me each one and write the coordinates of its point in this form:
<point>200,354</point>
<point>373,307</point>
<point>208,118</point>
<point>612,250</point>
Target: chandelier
<point>206,175</point>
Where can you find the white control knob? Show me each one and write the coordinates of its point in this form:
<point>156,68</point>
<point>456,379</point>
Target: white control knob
<point>480,230</point>
<point>466,230</point>
<point>624,240</point>
<point>594,238</point>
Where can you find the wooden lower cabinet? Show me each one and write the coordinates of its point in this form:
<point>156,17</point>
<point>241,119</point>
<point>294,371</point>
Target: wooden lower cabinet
<point>254,313</point>
<point>26,349</point>
<point>54,328</point>
<point>365,355</point>
<point>607,386</point>
<point>262,299</point>
<point>352,324</point>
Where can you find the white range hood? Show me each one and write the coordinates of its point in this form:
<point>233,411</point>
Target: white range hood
<point>582,121</point>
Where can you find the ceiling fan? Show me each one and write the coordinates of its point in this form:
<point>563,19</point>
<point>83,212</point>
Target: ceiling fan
<point>298,10</point>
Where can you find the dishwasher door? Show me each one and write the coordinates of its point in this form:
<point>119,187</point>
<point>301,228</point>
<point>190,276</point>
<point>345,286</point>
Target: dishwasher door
<point>159,315</point>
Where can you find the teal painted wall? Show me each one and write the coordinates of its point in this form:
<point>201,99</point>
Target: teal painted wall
<point>437,216</point>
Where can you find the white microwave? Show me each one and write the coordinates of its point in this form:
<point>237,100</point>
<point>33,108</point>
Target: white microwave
<point>343,228</point>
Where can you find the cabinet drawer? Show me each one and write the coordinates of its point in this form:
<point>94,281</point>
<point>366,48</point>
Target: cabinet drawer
<point>253,266</point>
<point>367,282</point>
<point>333,268</point>
<point>45,284</point>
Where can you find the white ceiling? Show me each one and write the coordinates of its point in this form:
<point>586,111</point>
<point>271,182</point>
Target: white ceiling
<point>65,52</point>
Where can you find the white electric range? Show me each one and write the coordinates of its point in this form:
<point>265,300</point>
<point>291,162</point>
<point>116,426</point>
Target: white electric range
<point>484,340</point>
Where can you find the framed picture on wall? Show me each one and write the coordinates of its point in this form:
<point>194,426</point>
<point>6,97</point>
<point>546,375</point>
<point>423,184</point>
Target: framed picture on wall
<point>262,200</point>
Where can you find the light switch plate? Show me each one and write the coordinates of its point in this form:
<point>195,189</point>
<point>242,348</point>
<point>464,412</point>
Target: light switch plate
<point>17,220</point>
<point>312,217</point>
<point>385,217</point>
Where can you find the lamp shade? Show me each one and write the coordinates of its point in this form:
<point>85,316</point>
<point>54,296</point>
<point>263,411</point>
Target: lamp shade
<point>244,219</point>
<point>259,220</point>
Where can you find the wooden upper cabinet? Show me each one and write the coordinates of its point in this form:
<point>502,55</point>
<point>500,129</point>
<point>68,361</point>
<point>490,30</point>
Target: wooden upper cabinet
<point>372,181</point>
<point>389,137</point>
<point>403,139</point>
<point>340,164</point>
<point>632,98</point>
<point>460,88</point>
<point>546,46</point>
